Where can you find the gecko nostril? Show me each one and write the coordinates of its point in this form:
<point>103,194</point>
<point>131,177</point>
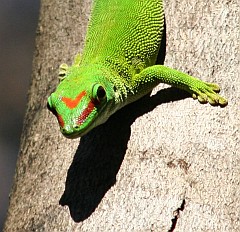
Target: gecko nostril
<point>51,108</point>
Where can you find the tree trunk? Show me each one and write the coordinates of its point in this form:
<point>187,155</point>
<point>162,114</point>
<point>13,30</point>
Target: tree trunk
<point>160,164</point>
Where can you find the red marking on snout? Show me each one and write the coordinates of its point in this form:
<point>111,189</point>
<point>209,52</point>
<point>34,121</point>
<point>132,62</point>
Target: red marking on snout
<point>72,103</point>
<point>82,117</point>
<point>60,120</point>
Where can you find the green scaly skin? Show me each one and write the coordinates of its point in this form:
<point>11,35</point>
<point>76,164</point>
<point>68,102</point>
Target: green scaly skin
<point>118,67</point>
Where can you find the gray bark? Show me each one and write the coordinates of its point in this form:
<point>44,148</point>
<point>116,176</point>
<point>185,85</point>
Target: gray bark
<point>160,164</point>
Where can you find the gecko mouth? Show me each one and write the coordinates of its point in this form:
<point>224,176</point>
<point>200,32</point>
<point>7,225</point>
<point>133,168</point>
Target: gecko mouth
<point>82,124</point>
<point>71,135</point>
<point>77,131</point>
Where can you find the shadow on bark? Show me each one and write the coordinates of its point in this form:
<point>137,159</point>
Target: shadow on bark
<point>100,153</point>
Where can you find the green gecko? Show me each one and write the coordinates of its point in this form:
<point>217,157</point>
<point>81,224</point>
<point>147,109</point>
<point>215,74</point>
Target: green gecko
<point>118,66</point>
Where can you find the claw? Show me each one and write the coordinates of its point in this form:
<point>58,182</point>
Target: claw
<point>194,96</point>
<point>202,98</point>
<point>62,71</point>
<point>213,101</point>
<point>214,87</point>
<point>63,68</point>
<point>223,102</point>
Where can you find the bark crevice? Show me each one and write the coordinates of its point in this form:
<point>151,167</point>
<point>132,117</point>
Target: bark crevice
<point>177,215</point>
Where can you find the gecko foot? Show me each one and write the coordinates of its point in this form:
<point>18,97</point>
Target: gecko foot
<point>208,92</point>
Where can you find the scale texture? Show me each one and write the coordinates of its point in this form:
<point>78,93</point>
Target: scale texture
<point>118,66</point>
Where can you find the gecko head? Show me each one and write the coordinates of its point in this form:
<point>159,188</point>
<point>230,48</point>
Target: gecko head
<point>79,104</point>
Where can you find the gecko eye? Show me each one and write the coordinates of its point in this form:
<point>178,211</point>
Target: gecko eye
<point>99,92</point>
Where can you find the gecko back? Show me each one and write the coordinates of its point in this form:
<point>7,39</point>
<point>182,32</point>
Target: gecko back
<point>124,33</point>
<point>118,66</point>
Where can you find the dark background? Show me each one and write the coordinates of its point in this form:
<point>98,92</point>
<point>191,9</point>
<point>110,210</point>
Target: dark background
<point>18,23</point>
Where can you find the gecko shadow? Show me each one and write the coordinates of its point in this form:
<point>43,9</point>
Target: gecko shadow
<point>100,154</point>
